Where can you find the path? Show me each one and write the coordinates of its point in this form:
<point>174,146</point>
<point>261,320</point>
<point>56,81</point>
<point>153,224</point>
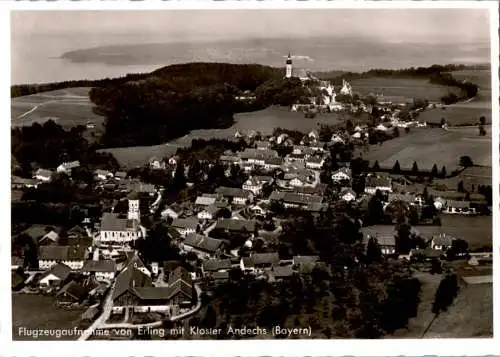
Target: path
<point>107,307</point>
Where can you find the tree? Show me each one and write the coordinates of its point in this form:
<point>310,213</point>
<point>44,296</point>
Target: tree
<point>349,126</point>
<point>403,239</point>
<point>466,161</point>
<point>396,168</point>
<point>179,176</point>
<point>443,172</point>
<point>459,247</point>
<point>482,120</point>
<point>442,122</point>
<point>434,171</point>
<point>482,131</point>
<point>376,166</point>
<point>373,251</point>
<point>396,132</point>
<point>445,294</point>
<point>414,168</point>
<point>460,186</point>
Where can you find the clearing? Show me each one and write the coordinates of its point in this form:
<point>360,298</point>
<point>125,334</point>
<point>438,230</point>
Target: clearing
<point>433,146</point>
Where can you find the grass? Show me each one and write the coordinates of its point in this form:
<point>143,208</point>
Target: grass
<point>477,175</point>
<point>67,107</point>
<point>33,311</point>
<point>427,147</point>
<point>458,114</point>
<point>401,87</point>
<point>130,157</point>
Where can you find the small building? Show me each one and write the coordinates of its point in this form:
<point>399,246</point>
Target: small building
<point>208,213</point>
<point>73,293</point>
<point>347,194</point>
<point>55,275</point>
<point>71,256</point>
<point>315,162</point>
<point>257,262</point>
<point>102,174</point>
<point>66,167</point>
<point>156,163</point>
<point>103,270</point>
<point>43,175</point>
<point>169,212</point>
<point>211,266</point>
<point>441,241</point>
<point>375,183</point>
<point>239,226</point>
<point>203,246</point>
<point>342,174</point>
<point>205,200</point>
<point>281,273</point>
<point>237,196</point>
<point>120,175</point>
<point>459,207</point>
<point>253,185</point>
<point>50,238</point>
<point>186,226</point>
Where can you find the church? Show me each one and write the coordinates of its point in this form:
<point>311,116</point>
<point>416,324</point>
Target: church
<point>291,72</point>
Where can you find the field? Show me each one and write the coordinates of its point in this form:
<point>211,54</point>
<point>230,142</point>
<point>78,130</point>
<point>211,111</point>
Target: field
<point>67,107</point>
<point>39,312</point>
<point>433,146</point>
<point>477,175</point>
<point>408,88</point>
<point>134,156</point>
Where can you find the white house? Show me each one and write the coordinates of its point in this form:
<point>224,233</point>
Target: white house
<point>342,174</point>
<point>66,167</point>
<point>103,174</point>
<point>347,194</point>
<point>253,185</point>
<point>169,212</point>
<point>208,213</point>
<point>103,270</point>
<point>43,175</point>
<point>55,275</point>
<point>72,256</point>
<point>441,242</point>
<point>315,163</point>
<point>313,135</point>
<point>115,229</point>
<point>336,138</point>
<point>156,163</point>
<point>186,226</point>
<point>374,183</point>
<point>172,161</point>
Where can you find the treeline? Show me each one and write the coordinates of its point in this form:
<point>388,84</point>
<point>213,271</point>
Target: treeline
<point>436,74</point>
<point>176,99</point>
<point>47,145</point>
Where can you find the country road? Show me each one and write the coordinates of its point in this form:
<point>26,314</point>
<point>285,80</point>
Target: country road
<point>108,306</point>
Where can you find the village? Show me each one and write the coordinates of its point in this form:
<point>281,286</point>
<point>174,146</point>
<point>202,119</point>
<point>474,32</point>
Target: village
<point>234,229</point>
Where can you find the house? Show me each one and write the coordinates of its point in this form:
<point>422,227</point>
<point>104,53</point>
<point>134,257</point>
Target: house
<point>240,226</point>
<point>73,293</point>
<point>169,212</point>
<point>342,174</point>
<point>209,212</point>
<point>263,145</point>
<point>459,207</point>
<point>20,183</point>
<point>347,194</point>
<point>295,158</point>
<point>205,200</point>
<point>315,162</point>
<point>66,167</point>
<point>374,183</point>
<point>272,163</point>
<point>50,238</point>
<point>257,262</point>
<point>103,270</point>
<point>237,196</point>
<point>253,185</point>
<point>220,277</point>
<point>313,135</point>
<point>76,232</point>
<point>156,163</point>
<point>281,273</point>
<point>134,291</point>
<point>211,266</point>
<point>186,225</point>
<point>173,161</point>
<point>385,236</point>
<point>115,229</point>
<point>43,175</point>
<point>294,200</point>
<point>203,246</point>
<point>102,174</point>
<point>336,138</point>
<point>72,256</point>
<point>55,275</point>
<point>441,241</point>
<point>120,175</point>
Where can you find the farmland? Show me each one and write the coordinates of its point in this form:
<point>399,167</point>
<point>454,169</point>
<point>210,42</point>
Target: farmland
<point>67,107</point>
<point>401,87</point>
<point>427,147</point>
<point>40,312</point>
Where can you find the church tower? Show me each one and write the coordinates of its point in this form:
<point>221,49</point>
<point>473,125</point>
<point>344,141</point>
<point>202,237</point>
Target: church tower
<point>288,62</point>
<point>133,210</point>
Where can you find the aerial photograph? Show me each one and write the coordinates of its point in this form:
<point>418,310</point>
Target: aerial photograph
<point>251,174</point>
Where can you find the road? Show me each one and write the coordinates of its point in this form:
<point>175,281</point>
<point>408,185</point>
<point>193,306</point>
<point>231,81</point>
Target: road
<point>107,307</point>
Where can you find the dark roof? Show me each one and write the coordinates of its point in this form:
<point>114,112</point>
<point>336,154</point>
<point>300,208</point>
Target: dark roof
<point>76,230</point>
<point>179,273</point>
<point>282,271</point>
<point>203,243</point>
<point>237,225</point>
<point>233,192</point>
<point>37,231</point>
<point>102,266</point>
<point>185,223</point>
<point>442,239</point>
<point>75,290</point>
<point>250,153</point>
<point>121,174</point>
<point>305,259</point>
<point>220,275</point>
<point>457,204</point>
<point>291,197</point>
<point>62,252</point>
<point>264,258</point>
<point>60,270</point>
<point>273,161</point>
<point>216,264</point>
<point>112,222</point>
<point>129,278</point>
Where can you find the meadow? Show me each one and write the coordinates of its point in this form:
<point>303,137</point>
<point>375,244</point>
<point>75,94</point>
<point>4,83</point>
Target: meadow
<point>67,107</point>
<point>427,147</point>
<point>408,88</point>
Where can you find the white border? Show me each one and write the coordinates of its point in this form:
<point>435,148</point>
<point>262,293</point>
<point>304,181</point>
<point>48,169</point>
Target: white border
<point>231,348</point>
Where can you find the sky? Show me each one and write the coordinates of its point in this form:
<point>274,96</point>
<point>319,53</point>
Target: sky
<point>390,25</point>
